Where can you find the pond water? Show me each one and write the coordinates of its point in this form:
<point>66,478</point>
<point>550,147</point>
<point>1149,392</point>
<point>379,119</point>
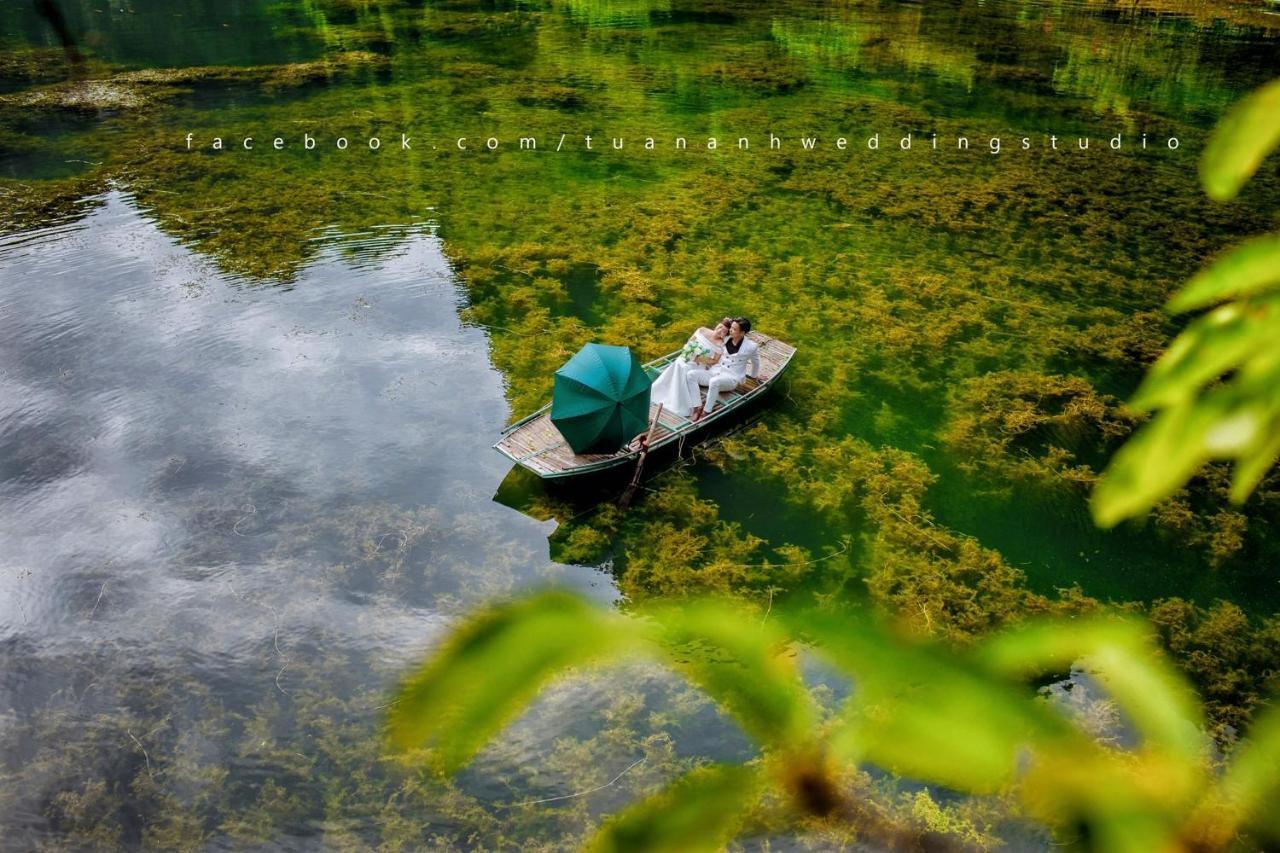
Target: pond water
<point>247,394</point>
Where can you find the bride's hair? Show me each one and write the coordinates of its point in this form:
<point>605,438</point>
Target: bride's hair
<point>727,322</point>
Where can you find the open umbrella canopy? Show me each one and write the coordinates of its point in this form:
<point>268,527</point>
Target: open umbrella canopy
<point>601,399</point>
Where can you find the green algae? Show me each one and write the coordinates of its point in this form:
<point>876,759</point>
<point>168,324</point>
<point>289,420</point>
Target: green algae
<point>986,290</point>
<point>139,89</point>
<point>1015,426</point>
<point>23,67</point>
<point>977,297</point>
<point>986,310</point>
<point>28,205</point>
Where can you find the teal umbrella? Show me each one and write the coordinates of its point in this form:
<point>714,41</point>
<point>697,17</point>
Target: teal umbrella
<point>601,399</point>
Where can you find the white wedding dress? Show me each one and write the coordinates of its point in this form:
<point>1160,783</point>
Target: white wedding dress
<point>672,388</point>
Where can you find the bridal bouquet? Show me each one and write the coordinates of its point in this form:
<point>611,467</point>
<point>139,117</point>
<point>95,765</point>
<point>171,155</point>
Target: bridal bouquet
<point>693,350</point>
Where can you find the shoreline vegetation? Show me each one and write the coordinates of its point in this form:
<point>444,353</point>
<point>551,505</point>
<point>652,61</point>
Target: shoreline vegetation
<point>967,337</point>
<point>106,89</point>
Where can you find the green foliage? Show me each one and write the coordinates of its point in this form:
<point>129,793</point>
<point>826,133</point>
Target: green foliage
<point>968,722</point>
<point>496,663</point>
<point>1251,784</point>
<point>1124,657</point>
<point>921,715</point>
<point>743,666</point>
<point>1215,390</point>
<point>1251,268</point>
<point>1242,140</point>
<point>699,812</point>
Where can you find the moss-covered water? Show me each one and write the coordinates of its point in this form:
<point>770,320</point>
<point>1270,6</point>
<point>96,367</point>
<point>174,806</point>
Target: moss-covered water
<point>248,393</point>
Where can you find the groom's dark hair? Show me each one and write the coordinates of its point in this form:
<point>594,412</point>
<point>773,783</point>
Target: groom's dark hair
<point>744,324</point>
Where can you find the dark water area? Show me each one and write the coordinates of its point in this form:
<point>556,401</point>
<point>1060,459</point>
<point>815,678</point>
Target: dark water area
<point>247,397</point>
<point>1054,541</point>
<point>154,33</point>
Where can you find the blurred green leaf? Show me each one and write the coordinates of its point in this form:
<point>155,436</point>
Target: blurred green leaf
<point>1251,410</point>
<point>1123,655</point>
<point>1235,420</point>
<point>1154,463</point>
<point>1247,269</point>
<point>701,811</point>
<point>493,666</point>
<point>1248,132</point>
<point>1254,465</point>
<point>917,711</point>
<point>1239,421</point>
<point>745,666</point>
<point>1137,832</point>
<point>1251,784</point>
<point>1209,347</point>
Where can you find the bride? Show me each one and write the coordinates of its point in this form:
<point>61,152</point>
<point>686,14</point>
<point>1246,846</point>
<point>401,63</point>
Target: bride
<point>672,388</point>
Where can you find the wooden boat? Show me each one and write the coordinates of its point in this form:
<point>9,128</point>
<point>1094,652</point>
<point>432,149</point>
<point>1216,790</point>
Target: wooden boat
<point>537,445</point>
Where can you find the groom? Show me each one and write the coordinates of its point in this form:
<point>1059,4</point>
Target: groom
<point>727,369</point>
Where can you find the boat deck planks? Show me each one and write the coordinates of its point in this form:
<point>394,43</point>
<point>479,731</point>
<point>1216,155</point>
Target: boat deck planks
<point>536,444</point>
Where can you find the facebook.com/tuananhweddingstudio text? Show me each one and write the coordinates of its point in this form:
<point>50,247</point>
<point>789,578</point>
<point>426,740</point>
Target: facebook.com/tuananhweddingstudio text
<point>586,142</point>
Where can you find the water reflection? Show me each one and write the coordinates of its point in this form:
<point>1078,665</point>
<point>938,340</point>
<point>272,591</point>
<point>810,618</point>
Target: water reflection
<point>141,32</point>
<point>207,483</point>
<point>154,408</point>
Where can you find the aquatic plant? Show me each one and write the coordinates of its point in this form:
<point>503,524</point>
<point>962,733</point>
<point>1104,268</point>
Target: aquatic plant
<point>1043,422</point>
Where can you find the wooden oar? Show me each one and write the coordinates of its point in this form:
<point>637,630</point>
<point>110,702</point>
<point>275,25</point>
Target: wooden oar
<point>625,500</point>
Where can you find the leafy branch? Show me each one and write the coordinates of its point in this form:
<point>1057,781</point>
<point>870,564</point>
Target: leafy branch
<point>971,722</point>
<point>1216,391</point>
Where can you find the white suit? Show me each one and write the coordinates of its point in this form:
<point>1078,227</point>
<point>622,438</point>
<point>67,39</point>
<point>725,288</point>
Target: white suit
<point>726,373</point>
<point>672,389</point>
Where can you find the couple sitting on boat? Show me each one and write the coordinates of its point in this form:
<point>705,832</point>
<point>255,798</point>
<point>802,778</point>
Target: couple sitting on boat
<point>716,359</point>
